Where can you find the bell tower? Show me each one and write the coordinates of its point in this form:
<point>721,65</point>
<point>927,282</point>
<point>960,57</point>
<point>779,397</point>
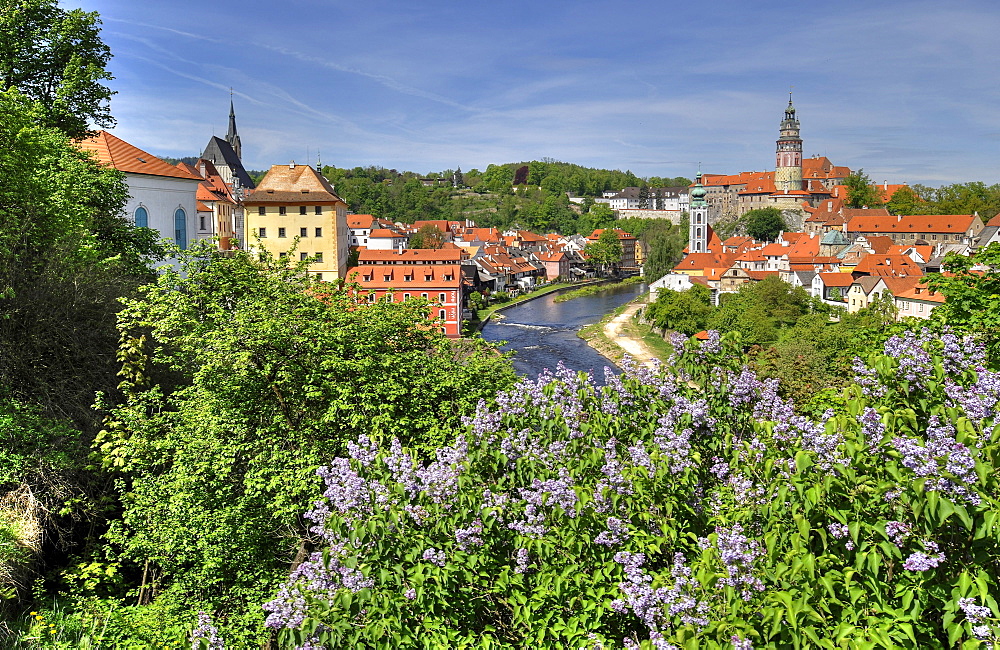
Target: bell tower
<point>788,159</point>
<point>698,214</point>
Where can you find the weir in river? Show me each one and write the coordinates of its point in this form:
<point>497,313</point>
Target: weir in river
<point>543,332</point>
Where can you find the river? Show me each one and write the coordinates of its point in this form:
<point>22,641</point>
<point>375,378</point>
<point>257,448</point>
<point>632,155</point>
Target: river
<point>542,332</point>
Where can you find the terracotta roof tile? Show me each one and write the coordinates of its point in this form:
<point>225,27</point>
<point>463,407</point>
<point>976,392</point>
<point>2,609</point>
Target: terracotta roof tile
<point>114,152</point>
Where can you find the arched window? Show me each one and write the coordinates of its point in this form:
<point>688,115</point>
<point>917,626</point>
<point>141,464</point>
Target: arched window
<point>141,217</point>
<point>180,228</point>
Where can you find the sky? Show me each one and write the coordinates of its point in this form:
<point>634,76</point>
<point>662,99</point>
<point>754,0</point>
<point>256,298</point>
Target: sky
<point>907,90</point>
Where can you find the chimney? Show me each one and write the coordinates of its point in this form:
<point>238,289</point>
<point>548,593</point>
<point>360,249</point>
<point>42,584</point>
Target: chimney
<point>885,185</point>
<point>291,165</point>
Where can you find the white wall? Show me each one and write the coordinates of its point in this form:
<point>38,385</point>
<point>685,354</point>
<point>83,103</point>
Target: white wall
<point>161,196</point>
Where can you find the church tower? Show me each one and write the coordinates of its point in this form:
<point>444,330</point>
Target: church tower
<point>788,165</point>
<point>698,214</point>
<point>232,137</point>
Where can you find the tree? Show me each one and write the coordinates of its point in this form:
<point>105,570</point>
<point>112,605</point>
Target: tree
<point>860,191</point>
<point>664,245</point>
<point>601,216</point>
<point>903,201</point>
<point>56,58</point>
<point>607,250</point>
<point>241,378</point>
<point>643,196</point>
<point>971,287</point>
<point>686,312</point>
<point>428,236</point>
<point>764,224</point>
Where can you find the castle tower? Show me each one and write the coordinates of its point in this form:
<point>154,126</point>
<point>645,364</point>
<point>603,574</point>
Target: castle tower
<point>788,164</point>
<point>698,211</point>
<point>232,137</point>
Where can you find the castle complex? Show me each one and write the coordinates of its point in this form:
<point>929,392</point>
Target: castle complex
<point>795,184</point>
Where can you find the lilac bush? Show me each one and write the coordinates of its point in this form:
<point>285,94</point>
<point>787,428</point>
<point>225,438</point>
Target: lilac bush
<point>680,507</point>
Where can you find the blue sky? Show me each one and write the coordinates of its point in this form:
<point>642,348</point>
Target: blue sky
<point>909,91</point>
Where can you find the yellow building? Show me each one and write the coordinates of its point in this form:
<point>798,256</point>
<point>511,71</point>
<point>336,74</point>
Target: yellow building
<point>296,202</point>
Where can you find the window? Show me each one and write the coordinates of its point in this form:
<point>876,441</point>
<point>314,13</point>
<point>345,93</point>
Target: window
<point>180,228</point>
<point>319,276</point>
<point>282,210</point>
<point>261,210</point>
<point>387,277</point>
<point>371,297</point>
<point>303,256</point>
<point>262,233</point>
<point>441,314</point>
<point>302,209</point>
<point>201,222</point>
<point>303,232</point>
<point>319,209</point>
<point>281,232</point>
<point>141,217</point>
<point>319,232</point>
<point>406,296</point>
<point>424,296</point>
<point>441,297</point>
<point>283,255</point>
<point>318,256</point>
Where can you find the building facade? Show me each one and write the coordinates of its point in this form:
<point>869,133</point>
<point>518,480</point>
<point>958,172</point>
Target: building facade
<point>295,207</point>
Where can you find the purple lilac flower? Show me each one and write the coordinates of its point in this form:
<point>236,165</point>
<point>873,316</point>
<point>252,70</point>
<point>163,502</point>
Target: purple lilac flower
<point>616,533</point>
<point>872,427</point>
<point>739,553</point>
<point>739,643</point>
<point>867,378</point>
<point>838,530</point>
<point>471,536</point>
<point>522,557</point>
<point>920,561</point>
<point>312,643</point>
<point>410,593</point>
<point>206,632</point>
<point>898,532</point>
<point>978,400</point>
<point>973,612</point>
<point>982,632</point>
<point>434,556</point>
<point>364,451</point>
<point>545,494</point>
<point>941,452</point>
<point>319,578</point>
<point>653,605</point>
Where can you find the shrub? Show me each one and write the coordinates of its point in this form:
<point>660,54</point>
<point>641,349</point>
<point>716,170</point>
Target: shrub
<point>687,507</point>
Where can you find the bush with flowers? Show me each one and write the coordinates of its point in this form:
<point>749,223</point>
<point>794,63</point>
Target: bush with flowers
<point>684,507</point>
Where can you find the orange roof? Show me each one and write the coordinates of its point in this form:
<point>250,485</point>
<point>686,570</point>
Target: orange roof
<point>837,279</point>
<point>881,244</point>
<point>293,184</point>
<point>385,232</point>
<point>360,221</point>
<point>759,275</point>
<point>441,224</point>
<point>115,152</point>
<point>398,274</point>
<point>622,235</point>
<point>941,223</point>
<point>418,255</point>
<point>891,265</point>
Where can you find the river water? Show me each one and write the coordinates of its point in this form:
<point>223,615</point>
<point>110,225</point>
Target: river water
<point>542,332</point>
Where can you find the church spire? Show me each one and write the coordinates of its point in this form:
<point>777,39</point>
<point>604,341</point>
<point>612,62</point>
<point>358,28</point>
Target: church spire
<point>232,137</point>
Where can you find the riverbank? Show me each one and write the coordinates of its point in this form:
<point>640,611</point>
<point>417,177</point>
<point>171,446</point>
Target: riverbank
<point>618,334</point>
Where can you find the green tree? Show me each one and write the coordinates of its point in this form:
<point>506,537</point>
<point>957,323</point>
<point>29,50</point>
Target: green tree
<point>904,201</point>
<point>241,378</point>
<point>601,216</point>
<point>860,191</point>
<point>686,312</point>
<point>664,245</point>
<point>428,236</point>
<point>56,58</point>
<point>764,224</point>
<point>606,251</point>
<point>971,287</point>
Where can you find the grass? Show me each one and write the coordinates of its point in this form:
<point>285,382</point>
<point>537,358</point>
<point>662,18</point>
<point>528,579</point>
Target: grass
<point>592,289</point>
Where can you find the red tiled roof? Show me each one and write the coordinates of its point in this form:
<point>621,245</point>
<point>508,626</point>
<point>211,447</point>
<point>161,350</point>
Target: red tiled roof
<point>837,279</point>
<point>417,255</point>
<point>942,223</point>
<point>115,152</point>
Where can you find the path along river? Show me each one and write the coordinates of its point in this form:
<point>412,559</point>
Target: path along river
<point>542,332</point>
